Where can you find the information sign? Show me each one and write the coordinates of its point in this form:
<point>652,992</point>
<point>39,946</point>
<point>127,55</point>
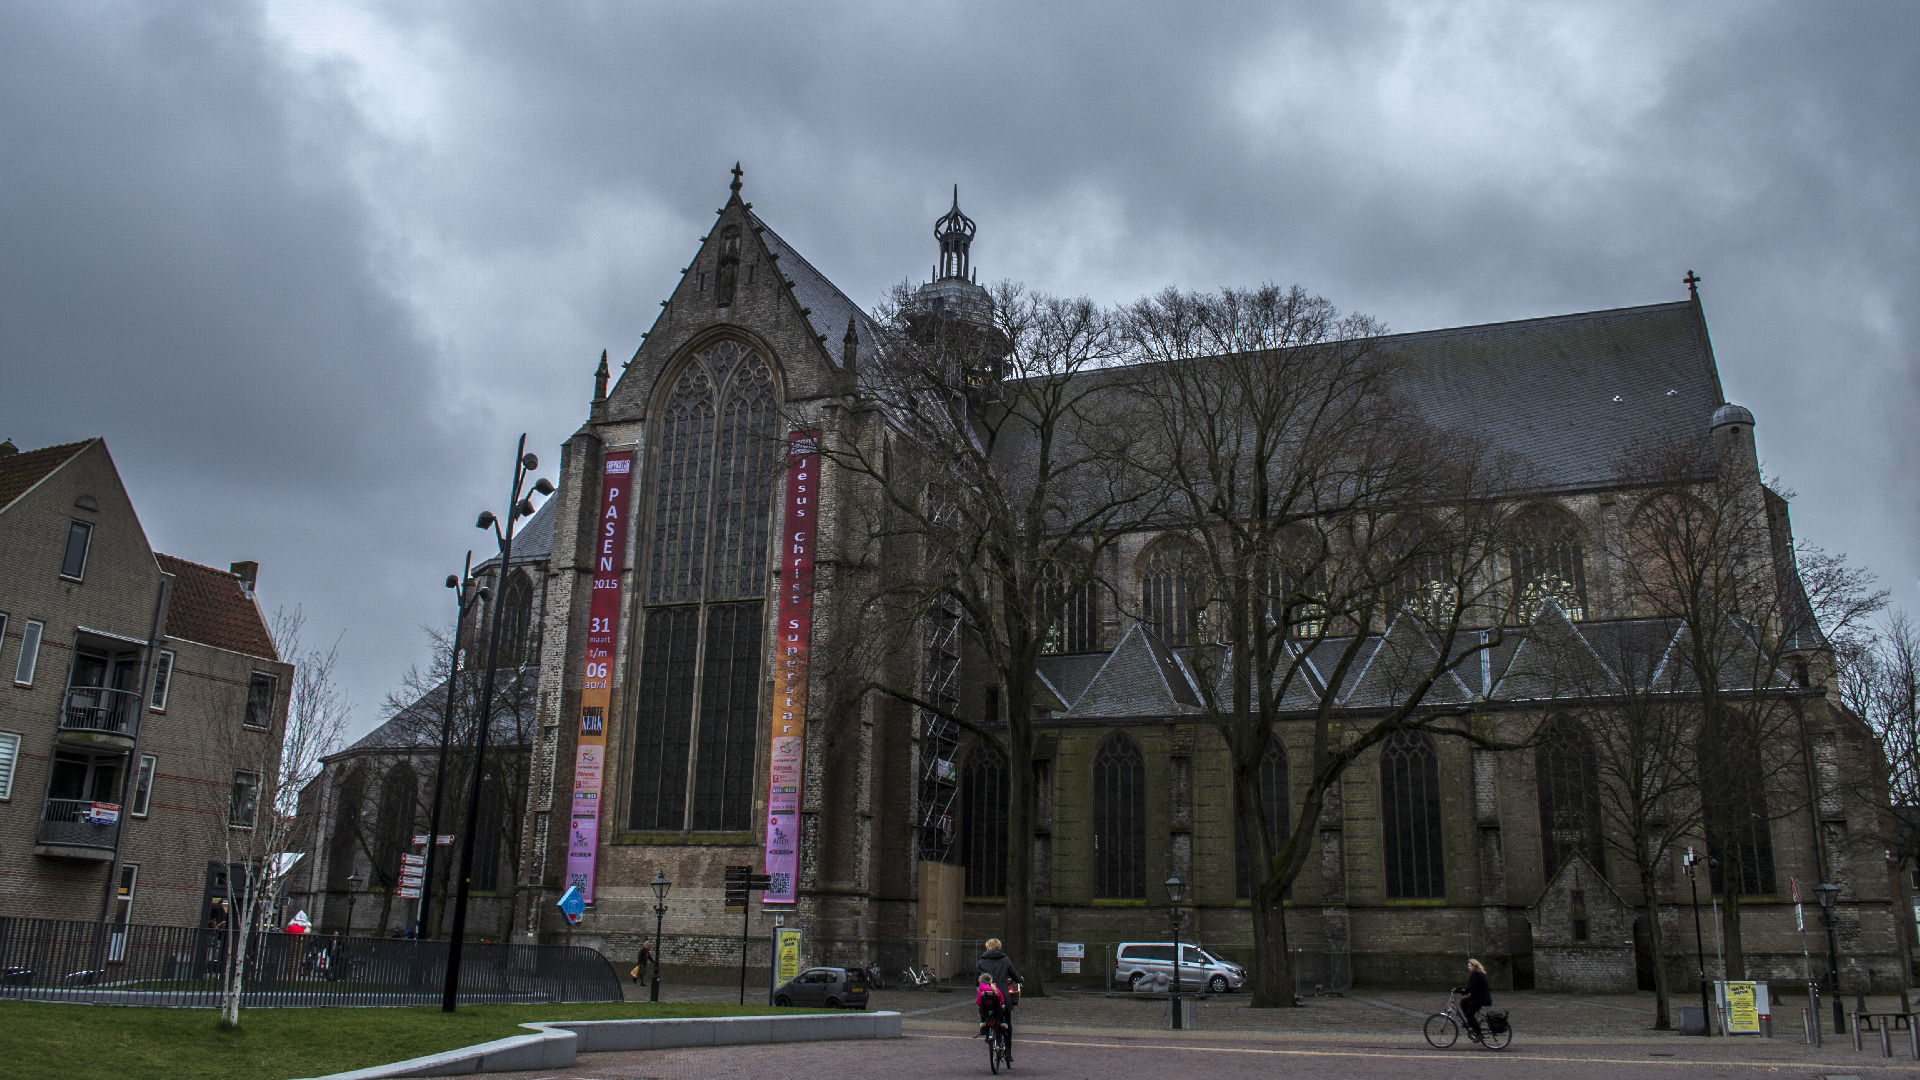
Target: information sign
<point>786,956</point>
<point>406,893</point>
<point>572,904</point>
<point>408,858</point>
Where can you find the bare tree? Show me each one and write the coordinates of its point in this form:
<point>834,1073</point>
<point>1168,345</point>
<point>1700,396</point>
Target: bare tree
<point>1879,680</point>
<point>270,770</point>
<point>1321,524</point>
<point>999,482</point>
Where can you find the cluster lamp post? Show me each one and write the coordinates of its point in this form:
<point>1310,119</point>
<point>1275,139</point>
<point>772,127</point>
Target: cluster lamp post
<point>1827,890</point>
<point>519,506</point>
<point>1176,896</point>
<point>466,593</point>
<point>660,887</point>
<point>1699,942</point>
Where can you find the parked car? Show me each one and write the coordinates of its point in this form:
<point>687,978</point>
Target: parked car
<point>834,987</point>
<point>1199,969</point>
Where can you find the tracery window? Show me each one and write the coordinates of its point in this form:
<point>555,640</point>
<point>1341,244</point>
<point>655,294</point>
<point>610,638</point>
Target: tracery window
<point>1549,561</point>
<point>516,620</point>
<point>397,800</point>
<point>1300,575</point>
<point>343,847</point>
<point>1170,593</point>
<point>697,715</point>
<point>1273,799</point>
<point>1076,626</point>
<point>1736,817</point>
<point>1119,820</point>
<point>1410,816</point>
<point>1424,582</point>
<point>983,823</point>
<point>1569,784</point>
<point>488,843</point>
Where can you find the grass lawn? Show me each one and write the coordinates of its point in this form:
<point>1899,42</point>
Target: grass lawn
<point>114,1042</point>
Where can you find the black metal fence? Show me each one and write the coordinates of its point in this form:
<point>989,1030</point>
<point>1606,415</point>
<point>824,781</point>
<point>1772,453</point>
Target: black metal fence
<point>54,960</point>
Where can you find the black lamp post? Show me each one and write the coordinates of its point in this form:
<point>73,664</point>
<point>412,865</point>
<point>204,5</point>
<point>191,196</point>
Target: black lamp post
<point>1699,942</point>
<point>1827,890</point>
<point>1176,896</point>
<point>353,882</point>
<point>660,887</point>
<point>465,595</point>
<point>519,506</point>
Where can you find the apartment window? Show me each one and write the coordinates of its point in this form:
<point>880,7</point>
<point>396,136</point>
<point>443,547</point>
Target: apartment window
<point>9,754</point>
<point>143,785</point>
<point>260,700</point>
<point>29,653</point>
<point>244,805</point>
<point>162,677</point>
<point>79,536</point>
<point>3,631</point>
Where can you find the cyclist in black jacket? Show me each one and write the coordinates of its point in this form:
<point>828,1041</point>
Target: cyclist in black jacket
<point>1479,996</point>
<point>994,962</point>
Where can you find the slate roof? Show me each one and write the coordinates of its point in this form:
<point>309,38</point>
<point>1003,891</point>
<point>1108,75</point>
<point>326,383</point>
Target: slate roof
<point>209,606</point>
<point>829,308</point>
<point>417,727</point>
<point>20,472</point>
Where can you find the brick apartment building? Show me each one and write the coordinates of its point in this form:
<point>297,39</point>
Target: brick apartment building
<point>141,708</point>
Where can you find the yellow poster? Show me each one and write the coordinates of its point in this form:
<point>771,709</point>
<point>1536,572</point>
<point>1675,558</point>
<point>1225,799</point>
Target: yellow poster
<point>786,950</point>
<point>1743,1010</point>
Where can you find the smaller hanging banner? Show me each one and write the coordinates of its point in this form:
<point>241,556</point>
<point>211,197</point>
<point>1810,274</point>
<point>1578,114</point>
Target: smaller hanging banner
<point>795,625</point>
<point>596,688</point>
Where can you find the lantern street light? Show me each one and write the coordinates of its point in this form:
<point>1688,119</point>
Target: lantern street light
<point>465,595</point>
<point>1176,897</point>
<point>1827,891</point>
<point>660,887</point>
<point>519,505</point>
<point>353,883</point>
<point>1699,942</point>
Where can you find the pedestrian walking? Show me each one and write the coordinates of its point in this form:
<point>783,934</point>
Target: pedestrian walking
<point>646,957</point>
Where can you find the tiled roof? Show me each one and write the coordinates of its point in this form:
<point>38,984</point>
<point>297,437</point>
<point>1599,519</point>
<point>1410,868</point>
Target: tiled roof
<point>829,308</point>
<point>208,606</point>
<point>19,472</point>
<point>418,726</point>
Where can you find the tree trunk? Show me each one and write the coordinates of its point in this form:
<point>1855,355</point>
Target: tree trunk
<point>1017,931</point>
<point>1272,961</point>
<point>1730,940</point>
<point>1656,945</point>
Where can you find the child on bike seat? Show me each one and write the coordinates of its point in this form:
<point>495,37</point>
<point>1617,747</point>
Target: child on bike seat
<point>993,1004</point>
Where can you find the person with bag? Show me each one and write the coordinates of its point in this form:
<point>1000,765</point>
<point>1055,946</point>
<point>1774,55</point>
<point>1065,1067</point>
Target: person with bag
<point>640,968</point>
<point>994,963</point>
<point>1479,996</point>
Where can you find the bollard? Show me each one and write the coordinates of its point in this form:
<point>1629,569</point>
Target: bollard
<point>1886,1038</point>
<point>1913,1033</point>
<point>1856,1032</point>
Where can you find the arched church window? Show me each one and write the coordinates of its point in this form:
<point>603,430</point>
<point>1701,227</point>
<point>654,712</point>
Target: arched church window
<point>1172,603</point>
<point>714,474</point>
<point>1075,626</point>
<point>1548,562</point>
<point>1273,799</point>
<point>1119,820</point>
<point>1410,816</point>
<point>1298,585</point>
<point>343,847</point>
<point>489,842</point>
<point>1734,808</point>
<point>1422,579</point>
<point>1569,784</point>
<point>398,792</point>
<point>983,823</point>
<point>516,620</point>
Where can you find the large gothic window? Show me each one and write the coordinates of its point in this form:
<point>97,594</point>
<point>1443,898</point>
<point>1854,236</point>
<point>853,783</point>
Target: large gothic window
<point>1549,562</point>
<point>398,793</point>
<point>714,475</point>
<point>1298,585</point>
<point>1410,816</point>
<point>1076,626</point>
<point>983,823</point>
<point>1738,825</point>
<point>1569,782</point>
<point>1273,799</point>
<point>343,847</point>
<point>516,620</point>
<point>1422,580</point>
<point>1119,820</point>
<point>1170,592</point>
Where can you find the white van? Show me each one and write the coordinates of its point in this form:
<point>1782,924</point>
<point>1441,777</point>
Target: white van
<point>1199,969</point>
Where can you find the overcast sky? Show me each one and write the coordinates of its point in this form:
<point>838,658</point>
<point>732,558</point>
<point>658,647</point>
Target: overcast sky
<point>312,268</point>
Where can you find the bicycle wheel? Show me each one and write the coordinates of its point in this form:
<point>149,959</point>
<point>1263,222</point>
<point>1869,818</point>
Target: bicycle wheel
<point>1442,1031</point>
<point>1497,1042</point>
<point>993,1052</point>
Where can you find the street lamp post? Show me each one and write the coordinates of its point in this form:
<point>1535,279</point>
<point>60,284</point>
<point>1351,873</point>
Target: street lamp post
<point>1699,942</point>
<point>1176,896</point>
<point>660,887</point>
<point>465,595</point>
<point>1827,890</point>
<point>519,506</point>
<point>353,882</point>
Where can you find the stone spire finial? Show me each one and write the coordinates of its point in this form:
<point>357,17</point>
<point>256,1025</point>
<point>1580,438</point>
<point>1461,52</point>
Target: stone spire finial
<point>849,346</point>
<point>1693,281</point>
<point>600,379</point>
<point>735,186</point>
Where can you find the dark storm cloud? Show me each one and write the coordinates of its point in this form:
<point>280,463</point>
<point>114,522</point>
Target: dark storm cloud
<point>379,240</point>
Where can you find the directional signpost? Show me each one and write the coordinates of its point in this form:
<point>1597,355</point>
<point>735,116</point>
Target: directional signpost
<point>741,882</point>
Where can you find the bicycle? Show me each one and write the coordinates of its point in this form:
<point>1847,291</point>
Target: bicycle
<point>998,1052</point>
<point>916,979</point>
<point>1443,1028</point>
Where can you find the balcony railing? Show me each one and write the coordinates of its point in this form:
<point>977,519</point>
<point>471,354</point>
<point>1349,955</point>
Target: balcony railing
<point>71,823</point>
<point>102,711</point>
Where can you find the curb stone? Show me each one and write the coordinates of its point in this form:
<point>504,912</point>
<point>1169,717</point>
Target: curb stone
<point>554,1044</point>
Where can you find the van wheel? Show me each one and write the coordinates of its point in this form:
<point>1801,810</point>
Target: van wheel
<point>1133,981</point>
<point>783,1001</point>
<point>1217,984</point>
<point>833,1003</point>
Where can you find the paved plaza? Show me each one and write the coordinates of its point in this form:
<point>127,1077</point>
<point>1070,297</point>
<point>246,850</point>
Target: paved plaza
<point>1364,1033</point>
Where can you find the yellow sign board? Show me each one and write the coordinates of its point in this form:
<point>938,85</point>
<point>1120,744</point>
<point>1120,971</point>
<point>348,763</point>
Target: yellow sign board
<point>1743,1008</point>
<point>786,953</point>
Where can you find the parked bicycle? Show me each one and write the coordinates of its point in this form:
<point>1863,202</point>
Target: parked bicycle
<point>1443,1028</point>
<point>917,978</point>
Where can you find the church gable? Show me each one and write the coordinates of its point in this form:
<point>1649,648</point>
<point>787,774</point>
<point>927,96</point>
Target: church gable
<point>746,280</point>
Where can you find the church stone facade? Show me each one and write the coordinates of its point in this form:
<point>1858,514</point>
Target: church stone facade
<point>898,841</point>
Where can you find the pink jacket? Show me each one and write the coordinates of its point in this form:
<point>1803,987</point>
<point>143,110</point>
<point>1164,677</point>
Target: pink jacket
<point>982,991</point>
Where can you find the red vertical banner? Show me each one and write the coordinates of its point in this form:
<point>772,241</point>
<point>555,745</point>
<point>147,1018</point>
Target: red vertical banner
<point>781,851</point>
<point>596,688</point>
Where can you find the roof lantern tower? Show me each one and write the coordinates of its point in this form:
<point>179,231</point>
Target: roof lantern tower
<point>954,312</point>
<point>955,232</point>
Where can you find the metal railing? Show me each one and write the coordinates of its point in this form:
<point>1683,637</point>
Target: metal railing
<point>98,709</point>
<point>54,960</point>
<point>1317,969</point>
<point>64,822</point>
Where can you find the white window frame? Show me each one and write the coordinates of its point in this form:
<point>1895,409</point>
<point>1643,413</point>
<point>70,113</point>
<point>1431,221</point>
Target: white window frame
<point>86,548</point>
<point>29,660</point>
<point>162,681</point>
<point>10,740</point>
<point>143,778</point>
<point>237,774</point>
<point>3,633</point>
<point>246,714</point>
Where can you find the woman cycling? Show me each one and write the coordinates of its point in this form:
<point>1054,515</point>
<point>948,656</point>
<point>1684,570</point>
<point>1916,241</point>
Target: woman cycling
<point>1479,996</point>
<point>994,964</point>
